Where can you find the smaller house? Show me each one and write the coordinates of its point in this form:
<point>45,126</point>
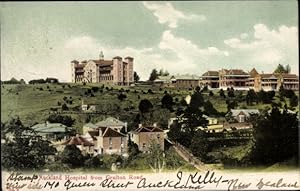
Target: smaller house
<point>88,108</point>
<point>144,136</point>
<point>186,81</point>
<point>52,131</point>
<point>164,81</point>
<point>242,115</point>
<point>83,144</point>
<point>111,141</point>
<point>113,123</point>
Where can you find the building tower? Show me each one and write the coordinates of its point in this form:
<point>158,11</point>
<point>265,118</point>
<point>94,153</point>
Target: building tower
<point>101,56</point>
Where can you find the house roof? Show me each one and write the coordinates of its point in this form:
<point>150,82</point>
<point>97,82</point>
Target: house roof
<point>235,72</point>
<point>109,132</point>
<point>289,76</point>
<point>247,112</point>
<point>187,77</point>
<point>211,73</point>
<point>129,58</point>
<point>162,79</point>
<point>90,125</point>
<point>50,128</point>
<point>77,140</point>
<point>273,76</point>
<point>102,62</point>
<point>253,73</point>
<point>147,129</point>
<point>93,134</point>
<point>110,121</point>
<point>80,65</point>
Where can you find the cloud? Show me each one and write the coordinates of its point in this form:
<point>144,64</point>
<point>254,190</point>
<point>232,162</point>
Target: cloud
<point>186,56</point>
<point>167,14</point>
<point>268,47</point>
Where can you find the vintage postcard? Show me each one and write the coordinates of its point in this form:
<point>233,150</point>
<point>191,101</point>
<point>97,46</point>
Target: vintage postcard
<point>153,95</point>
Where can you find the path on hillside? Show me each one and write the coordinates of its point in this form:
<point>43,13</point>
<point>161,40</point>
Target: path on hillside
<point>189,157</point>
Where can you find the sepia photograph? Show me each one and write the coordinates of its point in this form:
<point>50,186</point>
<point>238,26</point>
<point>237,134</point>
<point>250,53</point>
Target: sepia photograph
<point>150,95</point>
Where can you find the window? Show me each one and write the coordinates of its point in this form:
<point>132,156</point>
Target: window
<point>144,145</point>
<point>158,136</point>
<point>241,118</point>
<point>110,141</point>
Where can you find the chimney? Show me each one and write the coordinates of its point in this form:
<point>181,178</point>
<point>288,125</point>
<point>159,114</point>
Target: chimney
<point>77,135</point>
<point>100,132</point>
<point>46,123</point>
<point>140,125</point>
<point>154,124</point>
<point>125,127</point>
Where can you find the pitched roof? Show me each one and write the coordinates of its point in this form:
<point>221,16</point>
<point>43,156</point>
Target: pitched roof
<point>94,134</point>
<point>102,62</point>
<point>289,76</point>
<point>80,65</point>
<point>247,112</point>
<point>211,73</point>
<point>117,57</point>
<point>110,121</point>
<point>187,77</point>
<point>109,132</point>
<point>163,78</point>
<point>273,76</point>
<point>90,125</point>
<point>51,128</point>
<point>253,72</point>
<point>77,140</point>
<point>235,72</point>
<point>148,129</point>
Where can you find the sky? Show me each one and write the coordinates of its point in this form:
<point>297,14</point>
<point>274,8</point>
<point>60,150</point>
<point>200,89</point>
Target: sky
<point>39,40</point>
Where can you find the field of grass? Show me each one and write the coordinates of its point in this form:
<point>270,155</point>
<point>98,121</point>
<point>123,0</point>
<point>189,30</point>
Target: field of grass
<point>33,103</point>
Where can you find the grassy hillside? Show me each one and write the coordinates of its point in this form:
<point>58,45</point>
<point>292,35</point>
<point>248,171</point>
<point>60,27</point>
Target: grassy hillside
<point>33,103</point>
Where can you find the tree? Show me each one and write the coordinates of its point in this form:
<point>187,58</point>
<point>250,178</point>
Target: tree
<point>230,92</point>
<point>72,156</point>
<point>153,75</point>
<point>280,69</point>
<point>221,92</point>
<point>231,104</point>
<point>209,108</point>
<point>275,137</point>
<point>294,101</point>
<point>197,98</point>
<point>136,77</point>
<point>200,144</point>
<point>145,106</point>
<point>122,96</point>
<point>167,102</point>
<point>251,97</point>
<point>64,107</point>
<point>287,69</point>
<point>23,148</point>
<point>63,119</point>
<point>22,81</point>
<point>156,157</point>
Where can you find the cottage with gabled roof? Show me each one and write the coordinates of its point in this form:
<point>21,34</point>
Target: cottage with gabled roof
<point>53,131</point>
<point>143,136</point>
<point>242,115</point>
<point>82,143</point>
<point>108,122</point>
